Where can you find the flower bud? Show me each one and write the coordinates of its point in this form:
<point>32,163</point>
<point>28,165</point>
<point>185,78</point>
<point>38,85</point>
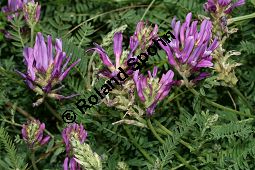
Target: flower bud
<point>32,133</point>
<point>32,12</point>
<point>144,34</point>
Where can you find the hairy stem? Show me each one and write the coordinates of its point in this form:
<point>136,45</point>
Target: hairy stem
<point>144,153</point>
<point>146,11</point>
<point>21,40</point>
<point>249,16</point>
<point>33,160</point>
<point>171,133</point>
<point>53,111</point>
<point>154,132</point>
<point>32,36</point>
<point>242,97</point>
<point>220,106</point>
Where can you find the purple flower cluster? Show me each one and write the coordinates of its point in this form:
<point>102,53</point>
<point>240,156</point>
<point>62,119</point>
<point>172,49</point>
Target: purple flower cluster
<point>150,90</point>
<point>144,35</point>
<point>192,49</point>
<point>43,70</point>
<point>189,51</point>
<point>28,6</point>
<point>32,133</point>
<point>77,132</point>
<point>226,6</point>
<point>142,38</point>
<point>112,69</point>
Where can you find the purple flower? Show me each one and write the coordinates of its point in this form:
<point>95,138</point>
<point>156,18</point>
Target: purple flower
<point>76,131</point>
<point>32,133</point>
<point>112,68</point>
<point>144,34</point>
<point>13,6</point>
<point>72,131</point>
<point>192,49</point>
<point>227,6</point>
<point>150,90</point>
<point>43,70</point>
<point>72,164</point>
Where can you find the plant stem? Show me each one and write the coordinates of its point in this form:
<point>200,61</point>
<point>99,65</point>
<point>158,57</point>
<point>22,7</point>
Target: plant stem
<point>171,133</point>
<point>180,158</point>
<point>53,111</point>
<point>249,16</point>
<point>99,15</point>
<point>32,35</point>
<point>242,97</point>
<point>33,160</point>
<point>21,40</point>
<point>154,132</point>
<point>144,153</point>
<point>89,72</point>
<point>220,106</point>
<point>146,11</point>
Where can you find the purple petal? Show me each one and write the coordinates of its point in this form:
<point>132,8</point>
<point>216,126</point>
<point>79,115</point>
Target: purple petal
<point>49,50</point>
<point>201,77</point>
<point>188,19</point>
<point>238,3</point>
<point>189,44</point>
<point>155,70</point>
<point>40,53</point>
<point>63,75</point>
<point>204,63</point>
<point>105,59</point>
<point>224,3</point>
<point>65,165</point>
<point>57,64</point>
<point>24,132</point>
<point>45,140</point>
<point>138,81</point>
<point>37,14</point>
<point>29,58</point>
<point>117,47</point>
<point>214,45</point>
<point>150,110</point>
<point>58,45</point>
<point>73,164</point>
<point>173,22</point>
<point>169,53</point>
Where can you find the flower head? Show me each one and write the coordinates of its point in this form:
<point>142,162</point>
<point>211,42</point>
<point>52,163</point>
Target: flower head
<point>227,6</point>
<point>32,133</point>
<point>144,34</point>
<point>13,6</point>
<point>72,132</point>
<point>76,131</point>
<point>43,70</point>
<point>192,49</point>
<point>120,55</point>
<point>151,90</point>
<point>32,12</point>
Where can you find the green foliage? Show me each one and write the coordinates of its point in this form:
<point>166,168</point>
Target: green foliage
<point>13,161</point>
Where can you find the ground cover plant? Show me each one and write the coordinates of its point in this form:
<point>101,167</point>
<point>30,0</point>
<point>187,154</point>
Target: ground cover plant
<point>121,85</point>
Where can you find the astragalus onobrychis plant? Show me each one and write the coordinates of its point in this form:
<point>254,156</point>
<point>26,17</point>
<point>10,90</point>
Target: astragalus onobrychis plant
<point>189,105</point>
